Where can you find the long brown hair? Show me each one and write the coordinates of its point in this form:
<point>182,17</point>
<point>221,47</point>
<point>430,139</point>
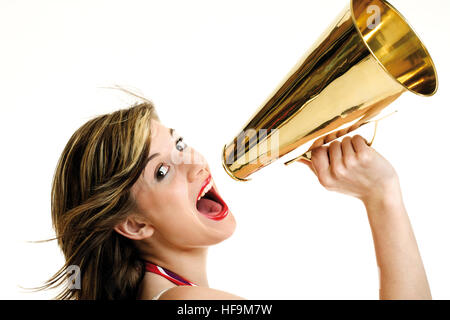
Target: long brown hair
<point>91,194</point>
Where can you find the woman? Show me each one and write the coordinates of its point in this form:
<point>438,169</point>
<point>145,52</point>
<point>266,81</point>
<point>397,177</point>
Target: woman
<point>135,209</point>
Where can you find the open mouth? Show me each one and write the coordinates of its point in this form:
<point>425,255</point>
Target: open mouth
<point>209,203</point>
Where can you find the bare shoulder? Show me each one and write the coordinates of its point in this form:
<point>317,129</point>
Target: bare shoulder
<point>197,293</point>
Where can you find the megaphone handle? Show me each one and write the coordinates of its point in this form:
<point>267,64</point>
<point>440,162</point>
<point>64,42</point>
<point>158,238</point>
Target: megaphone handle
<point>308,154</point>
<point>374,132</point>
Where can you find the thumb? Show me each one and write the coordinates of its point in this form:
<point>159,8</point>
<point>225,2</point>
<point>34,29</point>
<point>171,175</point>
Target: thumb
<point>308,163</point>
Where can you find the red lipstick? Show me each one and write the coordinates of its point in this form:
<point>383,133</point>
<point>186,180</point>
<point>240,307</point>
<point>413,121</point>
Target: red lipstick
<point>212,194</point>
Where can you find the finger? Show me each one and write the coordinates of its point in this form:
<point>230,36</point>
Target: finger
<point>320,161</point>
<point>347,147</point>
<point>335,153</point>
<point>331,136</point>
<point>317,143</point>
<point>359,144</point>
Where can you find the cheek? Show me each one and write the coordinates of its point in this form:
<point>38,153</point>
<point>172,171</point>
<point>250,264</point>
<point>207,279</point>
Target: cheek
<point>172,212</point>
<point>175,201</point>
<point>167,197</point>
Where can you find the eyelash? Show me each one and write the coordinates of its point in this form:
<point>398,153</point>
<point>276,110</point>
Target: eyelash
<point>180,139</point>
<point>160,177</point>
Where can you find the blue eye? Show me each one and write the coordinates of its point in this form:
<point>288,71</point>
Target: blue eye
<point>180,145</point>
<point>161,172</point>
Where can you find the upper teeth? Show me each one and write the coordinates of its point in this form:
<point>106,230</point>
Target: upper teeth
<point>205,189</point>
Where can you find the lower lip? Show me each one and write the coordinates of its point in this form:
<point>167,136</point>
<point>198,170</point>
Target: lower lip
<point>221,215</point>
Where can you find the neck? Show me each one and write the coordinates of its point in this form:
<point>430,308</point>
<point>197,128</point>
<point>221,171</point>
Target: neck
<point>187,263</point>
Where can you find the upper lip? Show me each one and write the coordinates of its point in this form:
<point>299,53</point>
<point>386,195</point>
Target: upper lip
<point>221,215</point>
<point>205,183</point>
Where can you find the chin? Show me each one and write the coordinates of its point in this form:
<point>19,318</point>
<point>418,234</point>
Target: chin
<point>219,231</point>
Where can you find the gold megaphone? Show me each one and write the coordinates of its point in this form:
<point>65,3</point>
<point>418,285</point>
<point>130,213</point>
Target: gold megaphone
<point>363,62</point>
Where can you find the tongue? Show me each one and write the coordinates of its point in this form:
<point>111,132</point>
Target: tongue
<point>208,206</point>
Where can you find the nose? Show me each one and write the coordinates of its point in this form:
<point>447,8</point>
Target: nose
<point>197,172</point>
<point>198,168</point>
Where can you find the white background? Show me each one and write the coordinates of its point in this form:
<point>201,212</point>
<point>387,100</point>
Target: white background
<point>208,65</point>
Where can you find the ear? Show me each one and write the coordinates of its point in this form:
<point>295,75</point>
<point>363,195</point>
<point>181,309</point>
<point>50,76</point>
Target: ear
<point>134,228</point>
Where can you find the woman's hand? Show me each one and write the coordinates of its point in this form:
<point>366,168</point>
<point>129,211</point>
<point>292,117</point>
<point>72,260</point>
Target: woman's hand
<point>352,167</point>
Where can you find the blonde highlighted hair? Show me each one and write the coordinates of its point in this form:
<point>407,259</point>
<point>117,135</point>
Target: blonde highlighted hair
<point>91,194</point>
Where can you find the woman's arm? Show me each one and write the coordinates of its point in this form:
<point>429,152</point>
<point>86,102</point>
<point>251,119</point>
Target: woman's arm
<point>354,168</point>
<point>402,274</point>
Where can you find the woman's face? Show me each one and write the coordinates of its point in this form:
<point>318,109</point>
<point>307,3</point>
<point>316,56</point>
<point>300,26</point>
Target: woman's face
<point>168,190</point>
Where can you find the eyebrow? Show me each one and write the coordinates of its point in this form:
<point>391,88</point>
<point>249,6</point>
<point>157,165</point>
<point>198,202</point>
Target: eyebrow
<point>156,154</point>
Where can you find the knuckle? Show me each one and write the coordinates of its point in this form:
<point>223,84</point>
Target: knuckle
<point>364,158</point>
<point>335,144</point>
<point>350,162</point>
<point>346,139</point>
<point>357,140</point>
<point>315,153</point>
<point>338,171</point>
<point>325,181</point>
